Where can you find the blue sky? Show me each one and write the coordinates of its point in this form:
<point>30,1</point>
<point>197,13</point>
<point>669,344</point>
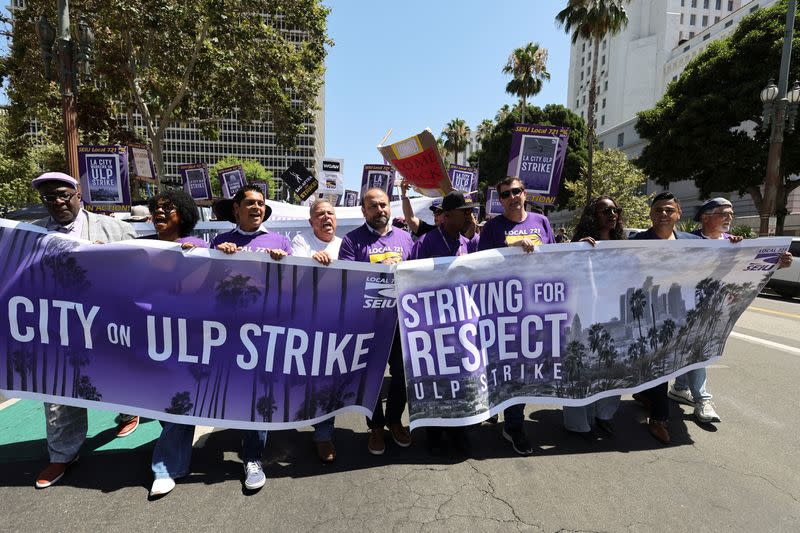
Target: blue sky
<point>418,64</point>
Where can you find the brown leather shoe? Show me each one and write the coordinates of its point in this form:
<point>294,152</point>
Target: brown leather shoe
<point>400,434</point>
<point>376,444</point>
<point>325,451</point>
<point>658,429</point>
<point>52,473</point>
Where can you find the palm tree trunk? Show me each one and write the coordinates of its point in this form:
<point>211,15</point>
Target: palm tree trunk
<point>64,375</point>
<point>55,374</point>
<point>205,393</point>
<point>524,107</point>
<point>253,397</point>
<point>592,119</point>
<point>225,393</point>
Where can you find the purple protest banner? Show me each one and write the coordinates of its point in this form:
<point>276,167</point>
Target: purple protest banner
<point>568,324</point>
<point>196,181</point>
<point>377,176</point>
<point>190,337</point>
<point>350,198</point>
<point>537,157</point>
<point>232,179</point>
<point>105,185</point>
<point>463,178</point>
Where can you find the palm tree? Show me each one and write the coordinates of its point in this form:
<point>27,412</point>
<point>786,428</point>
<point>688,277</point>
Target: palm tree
<point>199,373</point>
<point>573,364</point>
<point>180,404</point>
<point>666,332</point>
<point>483,130</point>
<point>22,362</point>
<point>652,336</point>
<point>592,20</point>
<point>528,68</point>
<point>456,135</point>
<point>502,113</point>
<point>596,337</point>
<point>638,303</point>
<point>87,391</point>
<point>608,354</point>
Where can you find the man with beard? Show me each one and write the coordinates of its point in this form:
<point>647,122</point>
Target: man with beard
<point>321,243</point>
<point>378,242</point>
<point>66,425</point>
<point>250,211</point>
<point>515,227</point>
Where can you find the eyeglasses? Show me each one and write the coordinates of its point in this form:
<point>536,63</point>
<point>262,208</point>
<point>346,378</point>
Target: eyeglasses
<point>609,210</point>
<point>727,214</point>
<point>516,191</point>
<point>52,198</point>
<point>166,207</point>
<point>665,210</point>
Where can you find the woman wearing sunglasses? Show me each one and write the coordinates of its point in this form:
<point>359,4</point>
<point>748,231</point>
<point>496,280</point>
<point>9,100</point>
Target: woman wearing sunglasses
<point>174,215</point>
<point>601,220</point>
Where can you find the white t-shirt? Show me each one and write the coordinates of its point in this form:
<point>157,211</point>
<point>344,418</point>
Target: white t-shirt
<point>306,244</point>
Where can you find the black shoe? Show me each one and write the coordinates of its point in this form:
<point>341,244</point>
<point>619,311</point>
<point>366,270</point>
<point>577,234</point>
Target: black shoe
<point>588,436</point>
<point>606,426</point>
<point>518,439</point>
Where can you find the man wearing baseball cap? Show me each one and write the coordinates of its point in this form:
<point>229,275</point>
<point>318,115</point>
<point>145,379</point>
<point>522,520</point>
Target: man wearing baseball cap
<point>66,425</point>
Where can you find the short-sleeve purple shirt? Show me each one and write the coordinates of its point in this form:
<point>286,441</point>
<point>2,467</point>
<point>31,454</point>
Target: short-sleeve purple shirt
<point>365,245</point>
<point>260,241</point>
<point>437,243</point>
<point>500,232</point>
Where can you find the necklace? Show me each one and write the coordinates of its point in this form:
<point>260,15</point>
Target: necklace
<point>447,243</point>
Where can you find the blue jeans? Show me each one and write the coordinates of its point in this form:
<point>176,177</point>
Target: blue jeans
<point>581,419</point>
<point>323,431</point>
<point>173,451</point>
<point>695,381</point>
<point>514,416</point>
<point>253,443</point>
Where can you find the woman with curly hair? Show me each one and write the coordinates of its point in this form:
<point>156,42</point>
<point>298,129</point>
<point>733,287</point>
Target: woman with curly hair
<point>174,215</point>
<point>601,220</point>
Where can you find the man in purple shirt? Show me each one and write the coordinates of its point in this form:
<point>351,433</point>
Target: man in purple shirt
<point>515,227</point>
<point>248,236</point>
<point>378,242</point>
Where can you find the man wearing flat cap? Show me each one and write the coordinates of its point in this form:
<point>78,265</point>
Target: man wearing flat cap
<point>66,425</point>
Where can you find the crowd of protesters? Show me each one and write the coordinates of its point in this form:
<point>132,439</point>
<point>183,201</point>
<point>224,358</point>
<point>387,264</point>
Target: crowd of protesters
<point>455,232</point>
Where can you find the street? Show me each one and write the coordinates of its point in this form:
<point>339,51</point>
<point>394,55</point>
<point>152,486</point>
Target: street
<point>738,475</point>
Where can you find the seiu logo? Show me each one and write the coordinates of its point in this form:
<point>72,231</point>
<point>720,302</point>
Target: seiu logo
<point>767,260</point>
<point>379,293</point>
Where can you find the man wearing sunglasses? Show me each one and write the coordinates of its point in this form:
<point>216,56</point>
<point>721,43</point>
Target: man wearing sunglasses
<point>66,425</point>
<point>515,227</point>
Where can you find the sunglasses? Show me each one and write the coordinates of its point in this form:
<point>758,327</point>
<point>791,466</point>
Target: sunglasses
<point>608,211</point>
<point>516,191</point>
<point>52,198</point>
<point>166,207</point>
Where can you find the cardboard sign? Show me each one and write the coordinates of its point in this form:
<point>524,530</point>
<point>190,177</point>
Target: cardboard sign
<point>417,159</point>
<point>298,179</point>
<point>142,160</point>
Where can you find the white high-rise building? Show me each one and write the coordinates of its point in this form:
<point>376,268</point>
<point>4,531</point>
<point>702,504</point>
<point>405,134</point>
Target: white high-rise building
<point>636,65</point>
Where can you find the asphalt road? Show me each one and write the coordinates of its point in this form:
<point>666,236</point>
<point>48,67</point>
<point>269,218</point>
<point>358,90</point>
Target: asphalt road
<point>742,474</point>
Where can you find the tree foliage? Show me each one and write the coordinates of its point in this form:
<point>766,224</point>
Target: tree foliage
<point>493,157</point>
<point>528,68</point>
<point>174,60</point>
<point>701,129</point>
<point>456,137</point>
<point>253,171</point>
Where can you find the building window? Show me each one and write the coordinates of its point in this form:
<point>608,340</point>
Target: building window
<point>604,103</point>
<point>675,78</point>
<point>581,114</point>
<point>683,3</point>
<point>694,3</point>
<point>581,75</point>
<point>686,48</point>
<point>691,34</point>
<point>716,19</point>
<point>681,18</point>
<point>705,4</point>
<point>605,85</point>
<point>604,45</point>
<point>729,24</point>
<point>730,5</point>
<point>692,19</point>
<point>707,36</point>
<point>601,144</point>
<point>603,60</point>
<point>705,20</point>
<point>620,139</point>
<point>718,4</point>
<point>602,120</point>
<point>583,61</point>
<point>584,98</point>
<point>583,48</point>
<point>754,8</point>
<point>578,102</point>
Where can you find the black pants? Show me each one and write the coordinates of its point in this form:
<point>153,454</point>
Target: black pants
<point>659,402</point>
<point>396,396</point>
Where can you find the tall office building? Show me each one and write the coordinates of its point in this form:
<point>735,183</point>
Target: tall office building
<point>183,142</point>
<point>636,66</point>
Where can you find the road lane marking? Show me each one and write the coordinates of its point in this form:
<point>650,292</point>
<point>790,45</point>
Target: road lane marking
<point>771,312</point>
<point>8,403</point>
<point>765,342</point>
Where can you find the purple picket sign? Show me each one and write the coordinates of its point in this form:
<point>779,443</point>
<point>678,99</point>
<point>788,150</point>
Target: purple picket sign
<point>195,180</point>
<point>463,178</point>
<point>537,157</point>
<point>105,182</point>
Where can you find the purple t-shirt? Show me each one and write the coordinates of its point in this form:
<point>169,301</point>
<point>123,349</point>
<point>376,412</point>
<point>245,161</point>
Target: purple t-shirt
<point>437,243</point>
<point>262,241</point>
<point>197,241</point>
<point>500,231</point>
<point>364,245</point>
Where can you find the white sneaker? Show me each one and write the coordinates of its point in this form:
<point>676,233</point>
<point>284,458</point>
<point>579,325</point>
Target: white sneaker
<point>161,486</point>
<point>681,396</point>
<point>704,412</point>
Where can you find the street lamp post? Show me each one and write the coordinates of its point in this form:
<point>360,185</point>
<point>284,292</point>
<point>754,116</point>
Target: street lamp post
<point>67,62</point>
<point>780,109</point>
